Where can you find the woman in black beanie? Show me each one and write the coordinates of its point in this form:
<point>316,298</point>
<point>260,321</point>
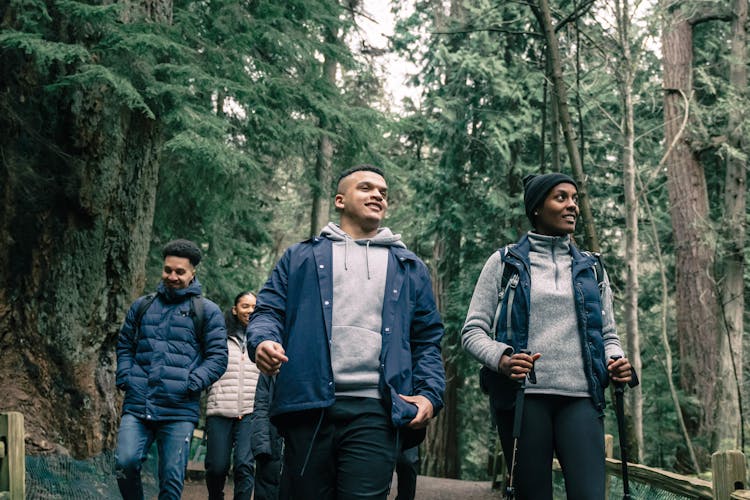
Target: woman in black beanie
<point>542,311</point>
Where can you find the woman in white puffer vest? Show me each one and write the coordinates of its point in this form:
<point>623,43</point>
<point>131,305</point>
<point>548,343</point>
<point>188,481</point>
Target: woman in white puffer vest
<point>230,404</point>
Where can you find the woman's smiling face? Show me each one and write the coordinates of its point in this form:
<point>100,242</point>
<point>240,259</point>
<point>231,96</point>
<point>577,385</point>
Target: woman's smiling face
<point>558,214</point>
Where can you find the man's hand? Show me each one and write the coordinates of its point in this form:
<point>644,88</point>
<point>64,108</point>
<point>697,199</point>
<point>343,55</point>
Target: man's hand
<point>268,357</point>
<point>424,410</point>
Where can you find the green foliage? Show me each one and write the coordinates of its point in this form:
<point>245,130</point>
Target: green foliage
<point>92,75</point>
<point>44,52</point>
<point>239,100</point>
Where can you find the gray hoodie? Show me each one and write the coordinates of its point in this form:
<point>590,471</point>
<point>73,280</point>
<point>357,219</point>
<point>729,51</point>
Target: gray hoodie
<point>359,273</point>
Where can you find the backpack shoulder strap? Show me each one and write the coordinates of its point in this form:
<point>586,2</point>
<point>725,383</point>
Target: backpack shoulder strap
<point>509,274</point>
<point>509,280</point>
<point>196,311</point>
<point>145,303</point>
<point>598,266</point>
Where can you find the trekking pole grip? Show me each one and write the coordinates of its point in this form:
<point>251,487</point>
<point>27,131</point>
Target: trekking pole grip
<point>619,386</point>
<point>532,374</point>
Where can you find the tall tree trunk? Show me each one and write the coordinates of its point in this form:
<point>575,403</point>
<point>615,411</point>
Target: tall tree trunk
<point>696,299</point>
<point>440,457</point>
<point>561,95</point>
<point>321,196</point>
<point>79,176</point>
<point>625,81</point>
<point>664,333</point>
<point>729,428</point>
<point>441,444</point>
<point>554,120</point>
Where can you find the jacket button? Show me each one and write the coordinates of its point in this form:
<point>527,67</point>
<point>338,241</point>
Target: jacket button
<point>321,266</point>
<point>326,303</point>
<point>387,329</point>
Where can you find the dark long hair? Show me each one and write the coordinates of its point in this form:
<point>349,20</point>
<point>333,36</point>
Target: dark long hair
<point>230,319</point>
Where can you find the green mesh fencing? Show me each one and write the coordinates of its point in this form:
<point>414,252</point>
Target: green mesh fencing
<point>638,491</point>
<point>62,477</point>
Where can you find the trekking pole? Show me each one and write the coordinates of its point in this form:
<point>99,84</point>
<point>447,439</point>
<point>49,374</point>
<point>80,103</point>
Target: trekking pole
<point>620,412</point>
<point>510,489</point>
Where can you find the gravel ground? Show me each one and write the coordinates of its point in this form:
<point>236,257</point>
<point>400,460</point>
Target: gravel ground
<point>428,488</point>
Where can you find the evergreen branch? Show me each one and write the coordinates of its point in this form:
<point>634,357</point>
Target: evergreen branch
<point>95,73</point>
<point>490,29</point>
<point>43,51</point>
<point>575,15</point>
<point>89,13</point>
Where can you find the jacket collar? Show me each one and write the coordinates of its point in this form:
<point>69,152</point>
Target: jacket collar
<point>401,253</point>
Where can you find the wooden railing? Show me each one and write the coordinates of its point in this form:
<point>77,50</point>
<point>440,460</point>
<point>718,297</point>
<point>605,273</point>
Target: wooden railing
<point>12,457</point>
<point>729,470</point>
<point>729,475</point>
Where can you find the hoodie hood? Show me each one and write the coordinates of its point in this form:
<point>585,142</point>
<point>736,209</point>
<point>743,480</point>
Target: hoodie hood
<point>383,238</point>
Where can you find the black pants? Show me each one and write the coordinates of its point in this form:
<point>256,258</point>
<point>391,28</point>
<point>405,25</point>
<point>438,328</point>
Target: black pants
<point>407,469</point>
<point>346,451</point>
<point>268,470</point>
<point>222,436</point>
<point>569,427</point>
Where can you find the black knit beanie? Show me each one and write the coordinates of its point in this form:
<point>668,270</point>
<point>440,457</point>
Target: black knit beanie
<point>536,187</point>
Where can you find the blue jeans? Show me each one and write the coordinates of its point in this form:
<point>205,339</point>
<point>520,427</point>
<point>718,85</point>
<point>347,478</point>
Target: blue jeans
<point>222,436</point>
<point>134,439</point>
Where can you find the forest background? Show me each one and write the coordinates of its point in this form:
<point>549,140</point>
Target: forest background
<point>124,125</point>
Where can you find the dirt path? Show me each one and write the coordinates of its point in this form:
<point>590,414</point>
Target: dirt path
<point>428,488</point>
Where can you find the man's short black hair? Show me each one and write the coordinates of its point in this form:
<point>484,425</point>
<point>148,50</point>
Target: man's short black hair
<point>366,167</point>
<point>183,248</point>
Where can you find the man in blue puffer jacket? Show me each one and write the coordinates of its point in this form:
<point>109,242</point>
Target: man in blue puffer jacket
<point>163,366</point>
<point>348,323</point>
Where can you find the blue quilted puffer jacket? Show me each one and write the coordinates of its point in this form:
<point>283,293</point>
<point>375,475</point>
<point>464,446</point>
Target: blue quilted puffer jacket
<point>164,372</point>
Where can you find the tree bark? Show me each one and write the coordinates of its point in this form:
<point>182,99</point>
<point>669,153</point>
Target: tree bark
<point>730,428</point>
<point>554,122</point>
<point>321,203</point>
<point>663,317</point>
<point>696,300</point>
<point>441,444</point>
<point>80,172</point>
<point>626,76</point>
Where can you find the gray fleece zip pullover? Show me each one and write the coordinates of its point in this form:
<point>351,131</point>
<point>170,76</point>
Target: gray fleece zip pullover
<point>552,323</point>
<point>359,273</point>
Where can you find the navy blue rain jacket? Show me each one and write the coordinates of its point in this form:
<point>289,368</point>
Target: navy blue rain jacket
<point>295,307</point>
<point>164,373</point>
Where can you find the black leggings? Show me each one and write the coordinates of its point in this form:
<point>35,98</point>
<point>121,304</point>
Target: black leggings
<point>569,427</point>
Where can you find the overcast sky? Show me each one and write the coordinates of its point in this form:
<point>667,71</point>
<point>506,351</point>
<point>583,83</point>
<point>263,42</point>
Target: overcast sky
<point>394,69</point>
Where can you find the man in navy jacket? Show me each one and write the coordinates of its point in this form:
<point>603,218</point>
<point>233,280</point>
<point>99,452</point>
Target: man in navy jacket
<point>163,365</point>
<point>347,322</point>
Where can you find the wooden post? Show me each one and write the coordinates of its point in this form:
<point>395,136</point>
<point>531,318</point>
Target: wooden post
<point>728,473</point>
<point>609,451</point>
<point>13,463</point>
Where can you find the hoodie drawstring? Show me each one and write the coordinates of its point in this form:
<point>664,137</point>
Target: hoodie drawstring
<point>346,254</point>
<point>367,258</point>
<point>312,442</point>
